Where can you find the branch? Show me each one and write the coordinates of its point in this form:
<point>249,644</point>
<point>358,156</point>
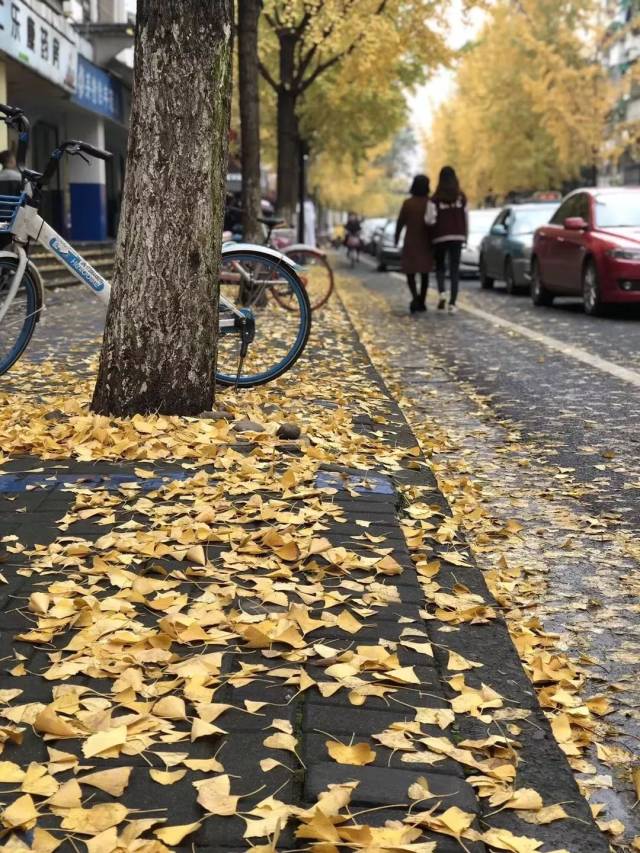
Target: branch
<point>267,76</point>
<point>303,85</point>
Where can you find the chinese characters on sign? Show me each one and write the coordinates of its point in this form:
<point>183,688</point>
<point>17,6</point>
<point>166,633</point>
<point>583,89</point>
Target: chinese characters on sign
<point>32,33</point>
<point>98,91</point>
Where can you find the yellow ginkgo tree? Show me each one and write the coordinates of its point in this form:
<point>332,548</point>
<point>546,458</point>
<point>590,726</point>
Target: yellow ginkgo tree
<point>531,100</point>
<point>365,45</point>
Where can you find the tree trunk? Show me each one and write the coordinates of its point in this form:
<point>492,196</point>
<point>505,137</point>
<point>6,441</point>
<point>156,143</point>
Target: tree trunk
<point>288,130</point>
<point>248,81</point>
<point>158,353</point>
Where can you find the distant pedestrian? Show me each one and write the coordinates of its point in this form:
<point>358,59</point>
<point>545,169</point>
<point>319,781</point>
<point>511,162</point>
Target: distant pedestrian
<point>416,250</point>
<point>10,177</point>
<point>352,239</point>
<point>450,233</point>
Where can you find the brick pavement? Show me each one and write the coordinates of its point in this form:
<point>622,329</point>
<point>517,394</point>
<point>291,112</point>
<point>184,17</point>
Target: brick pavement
<point>314,715</point>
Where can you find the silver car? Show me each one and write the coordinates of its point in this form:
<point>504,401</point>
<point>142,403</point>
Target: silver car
<point>480,221</point>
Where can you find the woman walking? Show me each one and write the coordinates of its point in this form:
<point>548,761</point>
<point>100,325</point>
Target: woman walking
<point>449,234</point>
<point>416,250</point>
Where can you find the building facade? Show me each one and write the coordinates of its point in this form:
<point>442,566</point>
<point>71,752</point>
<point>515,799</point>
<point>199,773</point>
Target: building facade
<point>622,58</point>
<point>68,64</point>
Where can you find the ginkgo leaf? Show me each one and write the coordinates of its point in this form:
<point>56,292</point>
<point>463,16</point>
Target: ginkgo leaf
<point>173,835</point>
<point>10,772</point>
<point>94,820</point>
<point>458,663</point>
<point>357,754</point>
<point>167,777</point>
<point>104,741</point>
<point>214,796</point>
<point>21,813</point>
<point>113,781</point>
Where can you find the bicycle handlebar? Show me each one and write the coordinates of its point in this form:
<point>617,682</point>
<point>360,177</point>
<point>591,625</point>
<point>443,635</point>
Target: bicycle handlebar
<point>14,117</point>
<point>91,150</point>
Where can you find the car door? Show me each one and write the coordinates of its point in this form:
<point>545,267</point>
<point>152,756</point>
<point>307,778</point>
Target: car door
<point>549,245</point>
<point>494,246</point>
<point>571,248</point>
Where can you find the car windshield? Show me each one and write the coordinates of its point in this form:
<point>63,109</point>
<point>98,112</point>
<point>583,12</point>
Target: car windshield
<point>480,221</point>
<point>618,210</point>
<point>528,220</point>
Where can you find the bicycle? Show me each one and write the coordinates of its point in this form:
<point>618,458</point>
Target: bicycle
<point>353,249</point>
<point>312,264</point>
<point>260,278</point>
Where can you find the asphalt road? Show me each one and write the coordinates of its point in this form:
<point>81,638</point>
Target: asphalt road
<point>542,409</point>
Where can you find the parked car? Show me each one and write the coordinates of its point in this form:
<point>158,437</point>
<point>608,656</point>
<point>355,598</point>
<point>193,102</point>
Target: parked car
<point>387,253</point>
<point>505,252</point>
<point>369,227</point>
<point>590,248</point>
<point>480,221</point>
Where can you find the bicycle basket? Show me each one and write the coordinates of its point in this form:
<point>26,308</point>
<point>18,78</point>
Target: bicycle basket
<point>9,204</point>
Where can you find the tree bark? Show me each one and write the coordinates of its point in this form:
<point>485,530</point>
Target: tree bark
<point>248,82</point>
<point>158,352</point>
<point>288,129</point>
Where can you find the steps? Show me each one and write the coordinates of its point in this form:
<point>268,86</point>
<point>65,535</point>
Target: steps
<point>100,255</point>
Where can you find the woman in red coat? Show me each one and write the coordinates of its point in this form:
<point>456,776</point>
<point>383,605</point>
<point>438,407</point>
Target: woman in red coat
<point>416,251</point>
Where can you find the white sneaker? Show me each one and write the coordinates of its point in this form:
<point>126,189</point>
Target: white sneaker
<point>442,303</point>
<point>453,309</point>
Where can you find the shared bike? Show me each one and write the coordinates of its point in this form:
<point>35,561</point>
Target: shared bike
<point>311,263</point>
<point>264,308</point>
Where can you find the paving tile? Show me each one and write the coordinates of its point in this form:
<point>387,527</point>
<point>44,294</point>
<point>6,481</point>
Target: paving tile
<point>387,786</point>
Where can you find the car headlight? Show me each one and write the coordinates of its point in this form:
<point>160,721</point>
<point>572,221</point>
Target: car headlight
<point>624,254</point>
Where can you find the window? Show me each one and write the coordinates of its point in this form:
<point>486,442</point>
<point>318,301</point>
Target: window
<point>85,6</point>
<point>526,221</point>
<point>565,210</point>
<point>582,207</point>
<point>618,209</point>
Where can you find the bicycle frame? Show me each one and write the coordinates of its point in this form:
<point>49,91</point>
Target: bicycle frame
<point>27,224</point>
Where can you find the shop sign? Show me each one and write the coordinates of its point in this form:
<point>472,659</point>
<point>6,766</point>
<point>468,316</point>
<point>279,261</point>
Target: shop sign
<point>98,91</point>
<point>32,33</point>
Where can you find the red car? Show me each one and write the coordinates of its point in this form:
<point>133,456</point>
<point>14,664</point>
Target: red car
<point>590,248</point>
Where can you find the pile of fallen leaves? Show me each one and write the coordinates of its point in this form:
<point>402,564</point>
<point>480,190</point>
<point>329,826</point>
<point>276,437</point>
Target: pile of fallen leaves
<point>150,631</point>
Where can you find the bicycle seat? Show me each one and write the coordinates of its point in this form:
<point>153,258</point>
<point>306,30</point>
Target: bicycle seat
<point>31,175</point>
<point>271,221</point>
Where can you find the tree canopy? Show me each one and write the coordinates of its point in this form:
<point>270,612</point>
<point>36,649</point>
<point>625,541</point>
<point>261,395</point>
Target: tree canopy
<point>531,100</point>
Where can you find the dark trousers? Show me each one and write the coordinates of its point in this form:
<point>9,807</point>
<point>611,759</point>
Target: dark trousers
<point>451,250</point>
<point>424,286</point>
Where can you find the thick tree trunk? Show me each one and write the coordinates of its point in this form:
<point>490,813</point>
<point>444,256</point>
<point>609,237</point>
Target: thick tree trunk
<point>158,353</point>
<point>248,81</point>
<point>288,130</point>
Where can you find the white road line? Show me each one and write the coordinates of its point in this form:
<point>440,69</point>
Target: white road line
<point>602,364</point>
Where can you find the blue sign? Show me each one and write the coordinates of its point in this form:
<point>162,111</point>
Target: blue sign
<point>98,91</point>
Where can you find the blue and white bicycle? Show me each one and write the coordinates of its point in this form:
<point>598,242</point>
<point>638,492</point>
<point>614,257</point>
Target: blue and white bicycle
<point>264,314</point>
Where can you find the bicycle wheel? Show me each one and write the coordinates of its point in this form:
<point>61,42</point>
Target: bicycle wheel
<point>17,325</point>
<point>315,272</point>
<point>258,284</point>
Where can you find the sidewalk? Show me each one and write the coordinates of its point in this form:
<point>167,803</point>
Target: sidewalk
<point>214,638</point>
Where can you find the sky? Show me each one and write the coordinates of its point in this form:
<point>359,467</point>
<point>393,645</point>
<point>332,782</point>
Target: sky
<point>425,101</point>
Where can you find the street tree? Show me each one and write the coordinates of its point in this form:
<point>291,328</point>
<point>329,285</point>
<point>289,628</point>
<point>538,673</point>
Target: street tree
<point>249,97</point>
<point>158,353</point>
<point>359,43</point>
<point>531,100</point>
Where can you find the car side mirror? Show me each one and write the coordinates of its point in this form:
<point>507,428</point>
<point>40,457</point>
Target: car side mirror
<point>575,223</point>
<point>498,230</point>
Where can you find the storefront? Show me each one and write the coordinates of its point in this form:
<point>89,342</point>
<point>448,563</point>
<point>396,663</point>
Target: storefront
<point>46,68</point>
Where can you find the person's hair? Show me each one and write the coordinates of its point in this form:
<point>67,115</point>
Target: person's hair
<point>448,188</point>
<point>7,157</point>
<point>420,186</point>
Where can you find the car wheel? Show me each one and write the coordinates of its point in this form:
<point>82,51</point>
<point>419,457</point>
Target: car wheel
<point>486,282</point>
<point>509,277</point>
<point>591,290</point>
<point>539,293</point>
